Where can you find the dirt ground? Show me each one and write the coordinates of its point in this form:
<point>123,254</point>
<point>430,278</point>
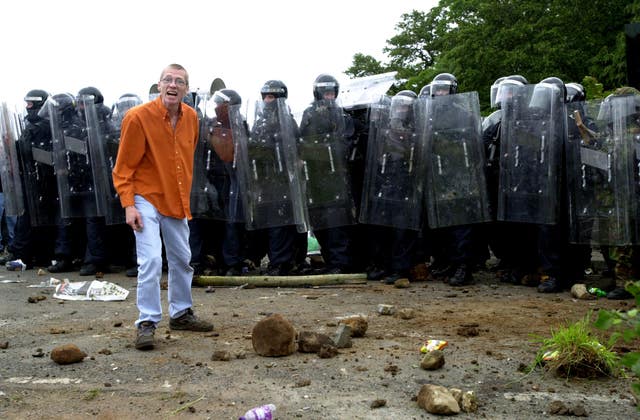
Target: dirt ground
<point>179,379</point>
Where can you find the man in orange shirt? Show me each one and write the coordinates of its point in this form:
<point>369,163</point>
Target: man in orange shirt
<point>152,176</point>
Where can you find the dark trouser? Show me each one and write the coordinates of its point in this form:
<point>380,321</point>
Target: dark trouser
<point>392,248</point>
<point>281,245</point>
<point>234,244</point>
<point>334,244</point>
<point>96,250</point>
<point>204,237</point>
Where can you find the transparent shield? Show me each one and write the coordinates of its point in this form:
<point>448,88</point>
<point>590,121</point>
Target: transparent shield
<point>394,173</point>
<point>531,143</point>
<point>9,165</point>
<point>456,190</point>
<point>323,151</point>
<point>269,170</point>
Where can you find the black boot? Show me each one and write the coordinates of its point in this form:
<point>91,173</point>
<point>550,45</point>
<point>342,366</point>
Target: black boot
<point>461,277</point>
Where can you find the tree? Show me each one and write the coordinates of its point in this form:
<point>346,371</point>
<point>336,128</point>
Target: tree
<point>481,40</point>
<point>365,65</point>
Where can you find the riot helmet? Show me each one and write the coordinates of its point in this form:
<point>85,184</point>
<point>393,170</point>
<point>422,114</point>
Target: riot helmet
<point>507,86</point>
<point>494,92</point>
<point>123,104</point>
<point>90,90</point>
<point>575,92</point>
<point>444,84</point>
<point>65,104</point>
<point>276,88</point>
<point>224,98</point>
<point>622,103</point>
<point>228,96</point>
<point>323,84</point>
<point>425,92</point>
<point>154,92</point>
<point>35,99</point>
<point>545,91</point>
<point>401,112</point>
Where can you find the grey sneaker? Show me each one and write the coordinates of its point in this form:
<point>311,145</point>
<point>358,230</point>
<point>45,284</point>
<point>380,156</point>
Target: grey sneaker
<point>188,321</point>
<point>144,338</point>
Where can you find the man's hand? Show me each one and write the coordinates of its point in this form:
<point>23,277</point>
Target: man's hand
<point>133,218</point>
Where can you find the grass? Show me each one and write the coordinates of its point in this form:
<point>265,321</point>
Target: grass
<point>573,351</point>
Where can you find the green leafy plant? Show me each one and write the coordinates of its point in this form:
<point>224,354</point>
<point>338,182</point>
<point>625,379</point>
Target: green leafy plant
<point>625,325</point>
<point>574,351</point>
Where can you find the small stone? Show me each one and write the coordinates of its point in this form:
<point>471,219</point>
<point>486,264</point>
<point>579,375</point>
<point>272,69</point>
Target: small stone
<point>557,407</point>
<point>221,356</point>
<point>402,283</point>
<point>384,309</point>
<point>67,354</point>
<point>378,403</point>
<point>406,313</point>
<point>4,345</point>
<point>432,360</point>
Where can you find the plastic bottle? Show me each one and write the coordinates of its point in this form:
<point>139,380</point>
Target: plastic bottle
<point>597,292</point>
<point>264,412</point>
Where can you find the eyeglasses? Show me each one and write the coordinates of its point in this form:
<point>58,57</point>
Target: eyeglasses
<point>178,81</point>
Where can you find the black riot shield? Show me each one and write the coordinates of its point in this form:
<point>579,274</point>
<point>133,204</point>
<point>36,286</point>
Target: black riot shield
<point>9,165</point>
<point>599,173</point>
<point>323,150</point>
<point>72,163</point>
<point>103,140</point>
<point>394,173</point>
<point>210,185</point>
<point>456,190</point>
<point>532,140</point>
<point>268,172</point>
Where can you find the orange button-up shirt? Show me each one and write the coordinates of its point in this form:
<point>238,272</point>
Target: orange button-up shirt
<point>155,160</point>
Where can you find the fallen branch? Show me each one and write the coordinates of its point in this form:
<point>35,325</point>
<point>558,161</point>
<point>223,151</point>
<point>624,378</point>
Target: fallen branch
<point>281,281</point>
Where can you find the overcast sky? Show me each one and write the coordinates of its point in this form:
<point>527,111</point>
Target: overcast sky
<point>121,46</point>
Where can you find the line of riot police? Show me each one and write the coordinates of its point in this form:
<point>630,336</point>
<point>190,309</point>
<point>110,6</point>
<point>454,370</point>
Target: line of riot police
<point>385,186</point>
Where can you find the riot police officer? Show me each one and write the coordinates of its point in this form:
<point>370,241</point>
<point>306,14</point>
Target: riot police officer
<point>34,153</point>
<point>454,156</point>
<point>273,197</point>
<point>392,193</point>
<point>504,238</point>
<point>325,130</point>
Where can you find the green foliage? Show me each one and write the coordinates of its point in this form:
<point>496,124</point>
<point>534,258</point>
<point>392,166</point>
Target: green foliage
<point>573,350</point>
<point>625,325</point>
<point>482,40</point>
<point>365,65</point>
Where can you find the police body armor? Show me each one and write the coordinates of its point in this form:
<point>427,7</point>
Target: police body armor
<point>323,148</point>
<point>36,160</point>
<point>9,165</point>
<point>456,190</point>
<point>268,169</point>
<point>531,145</point>
<point>393,180</point>
<point>103,140</point>
<point>600,166</point>
<point>73,163</point>
<point>210,186</point>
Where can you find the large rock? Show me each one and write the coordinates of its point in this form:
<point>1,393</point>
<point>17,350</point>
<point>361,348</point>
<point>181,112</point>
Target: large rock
<point>67,354</point>
<point>274,336</point>
<point>437,399</point>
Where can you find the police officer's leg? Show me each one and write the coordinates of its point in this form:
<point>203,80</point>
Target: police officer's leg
<point>96,250</point>
<point>281,248</point>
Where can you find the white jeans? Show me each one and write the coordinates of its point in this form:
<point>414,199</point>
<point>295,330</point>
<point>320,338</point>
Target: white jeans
<point>175,235</point>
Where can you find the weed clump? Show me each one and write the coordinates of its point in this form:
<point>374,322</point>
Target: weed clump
<point>573,351</point>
